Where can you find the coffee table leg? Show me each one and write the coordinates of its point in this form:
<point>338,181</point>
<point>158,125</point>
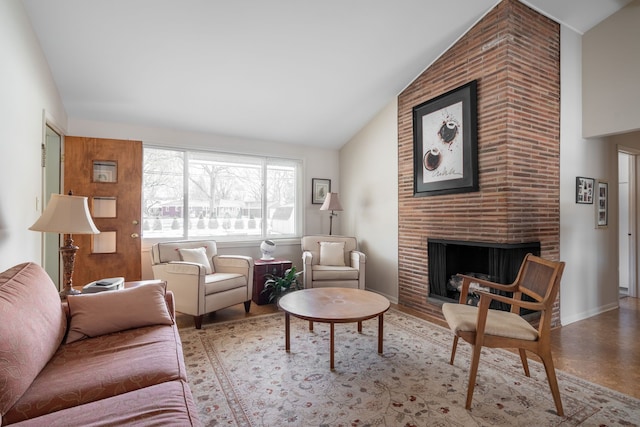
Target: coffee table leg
<point>380,331</point>
<point>287,341</point>
<point>310,325</point>
<point>360,327</point>
<point>332,346</point>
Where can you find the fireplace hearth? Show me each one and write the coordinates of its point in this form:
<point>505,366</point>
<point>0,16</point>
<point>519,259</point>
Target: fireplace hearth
<point>497,262</point>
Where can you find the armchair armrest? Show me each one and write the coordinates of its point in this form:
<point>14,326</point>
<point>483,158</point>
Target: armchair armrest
<point>182,267</point>
<point>357,258</point>
<point>233,264</point>
<point>530,305</point>
<point>307,257</point>
<point>307,262</point>
<point>466,282</point>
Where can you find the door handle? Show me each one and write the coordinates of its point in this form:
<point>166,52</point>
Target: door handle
<point>135,222</point>
<point>134,235</point>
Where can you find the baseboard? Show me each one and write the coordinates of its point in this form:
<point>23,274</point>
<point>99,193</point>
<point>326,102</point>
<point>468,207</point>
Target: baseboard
<point>589,313</point>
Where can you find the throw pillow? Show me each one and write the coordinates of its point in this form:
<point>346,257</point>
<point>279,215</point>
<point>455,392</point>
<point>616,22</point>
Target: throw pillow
<point>198,256</point>
<point>332,253</point>
<point>113,311</point>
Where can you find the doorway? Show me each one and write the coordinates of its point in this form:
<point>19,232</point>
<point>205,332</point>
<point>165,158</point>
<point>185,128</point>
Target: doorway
<point>627,264</point>
<point>52,148</point>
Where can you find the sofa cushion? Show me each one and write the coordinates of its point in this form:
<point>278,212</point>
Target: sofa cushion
<point>165,404</point>
<point>332,253</point>
<point>98,368</point>
<point>112,311</point>
<point>198,256</point>
<point>32,325</point>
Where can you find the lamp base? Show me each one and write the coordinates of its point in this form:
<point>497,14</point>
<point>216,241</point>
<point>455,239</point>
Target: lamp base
<point>66,292</point>
<point>68,252</point>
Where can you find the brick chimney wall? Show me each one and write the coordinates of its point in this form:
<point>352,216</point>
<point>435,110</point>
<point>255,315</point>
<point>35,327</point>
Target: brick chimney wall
<point>514,54</point>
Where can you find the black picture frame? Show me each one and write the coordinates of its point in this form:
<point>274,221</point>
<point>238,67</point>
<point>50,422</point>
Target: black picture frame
<point>602,206</point>
<point>584,190</point>
<point>320,187</point>
<point>445,139</point>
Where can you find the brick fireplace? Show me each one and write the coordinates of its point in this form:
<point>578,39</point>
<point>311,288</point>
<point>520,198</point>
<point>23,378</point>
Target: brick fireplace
<point>514,54</point>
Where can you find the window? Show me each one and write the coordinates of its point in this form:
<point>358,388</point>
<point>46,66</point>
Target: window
<point>199,194</point>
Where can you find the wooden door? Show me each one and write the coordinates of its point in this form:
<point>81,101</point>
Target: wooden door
<point>109,173</point>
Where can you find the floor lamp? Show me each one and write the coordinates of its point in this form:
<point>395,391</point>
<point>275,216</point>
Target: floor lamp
<point>66,215</point>
<point>331,203</point>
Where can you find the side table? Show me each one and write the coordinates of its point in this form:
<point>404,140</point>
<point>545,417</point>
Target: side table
<point>262,267</point>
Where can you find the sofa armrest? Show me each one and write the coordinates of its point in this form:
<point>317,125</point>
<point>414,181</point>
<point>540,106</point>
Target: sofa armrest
<point>171,306</point>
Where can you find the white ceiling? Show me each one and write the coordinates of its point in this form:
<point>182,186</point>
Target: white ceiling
<point>301,72</point>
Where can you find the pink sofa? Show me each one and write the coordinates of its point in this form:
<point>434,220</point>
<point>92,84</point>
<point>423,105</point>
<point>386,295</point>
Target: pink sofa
<point>112,358</point>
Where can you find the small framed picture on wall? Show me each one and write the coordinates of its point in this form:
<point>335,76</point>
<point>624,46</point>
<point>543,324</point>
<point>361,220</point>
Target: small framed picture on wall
<point>584,190</point>
<point>319,189</point>
<point>602,205</point>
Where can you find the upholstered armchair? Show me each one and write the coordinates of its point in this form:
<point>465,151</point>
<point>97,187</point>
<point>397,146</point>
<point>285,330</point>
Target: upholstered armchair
<point>332,261</point>
<point>201,280</point>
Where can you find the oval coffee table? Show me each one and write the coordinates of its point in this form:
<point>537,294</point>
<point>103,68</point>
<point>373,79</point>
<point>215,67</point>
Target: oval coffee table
<point>333,305</point>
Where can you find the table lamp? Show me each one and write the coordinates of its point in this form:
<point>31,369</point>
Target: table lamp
<point>66,214</point>
<point>331,203</point>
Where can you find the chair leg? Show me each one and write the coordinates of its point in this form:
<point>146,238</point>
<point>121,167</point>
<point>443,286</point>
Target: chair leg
<point>473,371</point>
<point>547,360</point>
<point>198,321</point>
<point>453,349</point>
<point>247,306</point>
<point>525,362</point>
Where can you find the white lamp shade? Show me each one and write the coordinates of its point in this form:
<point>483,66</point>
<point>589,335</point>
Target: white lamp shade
<point>66,215</point>
<point>331,203</point>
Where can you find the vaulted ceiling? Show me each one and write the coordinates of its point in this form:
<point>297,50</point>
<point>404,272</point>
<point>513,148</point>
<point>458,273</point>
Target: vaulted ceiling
<point>292,71</point>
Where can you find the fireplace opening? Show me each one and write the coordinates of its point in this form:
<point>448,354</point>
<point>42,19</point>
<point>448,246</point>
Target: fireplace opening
<point>497,262</point>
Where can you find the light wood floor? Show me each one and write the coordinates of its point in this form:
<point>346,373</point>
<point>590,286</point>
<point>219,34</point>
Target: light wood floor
<point>604,349</point>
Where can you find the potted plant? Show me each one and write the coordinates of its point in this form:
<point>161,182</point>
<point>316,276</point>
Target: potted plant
<point>277,286</point>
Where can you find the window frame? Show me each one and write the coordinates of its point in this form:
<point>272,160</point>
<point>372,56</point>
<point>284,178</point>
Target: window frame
<point>264,162</point>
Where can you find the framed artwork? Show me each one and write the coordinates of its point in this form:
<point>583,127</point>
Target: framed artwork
<point>319,190</point>
<point>584,190</point>
<point>602,205</point>
<point>105,171</point>
<point>445,143</point>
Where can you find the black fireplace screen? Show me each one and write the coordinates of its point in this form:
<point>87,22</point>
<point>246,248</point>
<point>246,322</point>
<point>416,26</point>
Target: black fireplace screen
<point>495,261</point>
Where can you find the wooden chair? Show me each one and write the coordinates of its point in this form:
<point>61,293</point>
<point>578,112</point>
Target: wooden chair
<point>481,326</point>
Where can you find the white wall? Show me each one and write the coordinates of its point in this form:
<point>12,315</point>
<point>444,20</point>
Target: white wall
<point>590,281</point>
<point>369,178</point>
<point>318,163</point>
<point>27,90</point>
<point>611,91</point>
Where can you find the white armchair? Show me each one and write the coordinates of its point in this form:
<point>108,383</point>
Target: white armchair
<point>201,280</point>
<point>332,261</point>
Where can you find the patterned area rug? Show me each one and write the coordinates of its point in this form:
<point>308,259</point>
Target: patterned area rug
<point>240,375</point>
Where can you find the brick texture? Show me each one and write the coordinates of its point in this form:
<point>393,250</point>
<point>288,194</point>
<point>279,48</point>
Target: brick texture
<point>514,54</point>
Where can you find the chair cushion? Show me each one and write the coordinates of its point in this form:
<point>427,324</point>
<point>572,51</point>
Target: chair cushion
<point>332,253</point>
<point>198,256</point>
<point>113,311</point>
<point>462,318</point>
<point>220,282</point>
<point>327,272</point>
